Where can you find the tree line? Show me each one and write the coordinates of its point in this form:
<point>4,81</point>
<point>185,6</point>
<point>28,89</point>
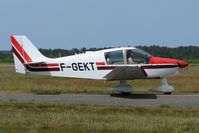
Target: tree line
<point>188,53</point>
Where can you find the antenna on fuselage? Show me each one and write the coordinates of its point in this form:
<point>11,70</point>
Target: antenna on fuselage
<point>59,54</point>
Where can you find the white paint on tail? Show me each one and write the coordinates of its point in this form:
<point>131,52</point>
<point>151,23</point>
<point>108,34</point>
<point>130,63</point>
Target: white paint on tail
<point>19,67</point>
<point>24,52</point>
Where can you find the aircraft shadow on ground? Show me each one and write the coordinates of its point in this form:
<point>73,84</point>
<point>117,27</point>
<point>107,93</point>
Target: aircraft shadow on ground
<point>136,96</point>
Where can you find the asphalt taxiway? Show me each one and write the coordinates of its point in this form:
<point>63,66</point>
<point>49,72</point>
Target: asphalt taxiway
<point>191,100</point>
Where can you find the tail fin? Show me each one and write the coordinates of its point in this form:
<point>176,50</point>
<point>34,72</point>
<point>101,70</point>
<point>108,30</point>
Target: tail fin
<point>24,52</point>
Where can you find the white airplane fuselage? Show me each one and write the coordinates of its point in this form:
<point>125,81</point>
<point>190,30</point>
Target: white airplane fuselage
<point>125,63</point>
<point>92,65</point>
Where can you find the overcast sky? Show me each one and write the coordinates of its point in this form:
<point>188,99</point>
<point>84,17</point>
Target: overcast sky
<point>99,23</point>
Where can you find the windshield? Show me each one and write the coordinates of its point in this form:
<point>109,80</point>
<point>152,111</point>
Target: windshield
<point>137,56</point>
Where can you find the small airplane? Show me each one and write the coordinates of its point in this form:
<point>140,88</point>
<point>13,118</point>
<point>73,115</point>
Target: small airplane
<point>115,64</point>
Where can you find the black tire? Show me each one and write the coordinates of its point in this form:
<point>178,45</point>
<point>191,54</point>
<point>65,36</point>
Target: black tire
<point>167,93</point>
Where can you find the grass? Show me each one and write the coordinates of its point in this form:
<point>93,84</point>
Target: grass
<point>49,118</point>
<point>52,118</point>
<point>192,61</point>
<point>186,82</point>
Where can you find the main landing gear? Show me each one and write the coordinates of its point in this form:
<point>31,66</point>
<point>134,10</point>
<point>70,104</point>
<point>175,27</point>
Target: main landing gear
<point>125,88</point>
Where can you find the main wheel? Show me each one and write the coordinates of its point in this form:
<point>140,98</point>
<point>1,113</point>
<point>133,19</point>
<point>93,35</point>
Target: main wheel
<point>167,93</point>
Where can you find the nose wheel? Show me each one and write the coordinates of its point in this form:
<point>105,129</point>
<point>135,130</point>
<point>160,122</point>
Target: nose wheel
<point>164,87</point>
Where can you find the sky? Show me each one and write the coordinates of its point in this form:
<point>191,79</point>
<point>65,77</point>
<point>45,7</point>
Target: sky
<point>71,24</point>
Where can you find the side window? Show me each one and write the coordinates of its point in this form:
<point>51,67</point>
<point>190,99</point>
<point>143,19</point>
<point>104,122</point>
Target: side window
<point>115,57</point>
<point>137,56</point>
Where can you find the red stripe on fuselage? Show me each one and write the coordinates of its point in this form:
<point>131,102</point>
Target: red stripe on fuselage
<point>100,63</point>
<point>20,49</point>
<point>41,69</point>
<point>106,68</point>
<point>44,65</point>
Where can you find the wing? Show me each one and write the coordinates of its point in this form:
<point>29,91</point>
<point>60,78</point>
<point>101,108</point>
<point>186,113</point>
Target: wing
<point>126,73</point>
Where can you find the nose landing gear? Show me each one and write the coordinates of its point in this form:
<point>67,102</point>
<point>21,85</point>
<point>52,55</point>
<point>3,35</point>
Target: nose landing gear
<point>164,87</point>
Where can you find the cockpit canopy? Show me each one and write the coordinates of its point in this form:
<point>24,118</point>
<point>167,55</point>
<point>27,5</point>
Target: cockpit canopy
<point>127,56</point>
